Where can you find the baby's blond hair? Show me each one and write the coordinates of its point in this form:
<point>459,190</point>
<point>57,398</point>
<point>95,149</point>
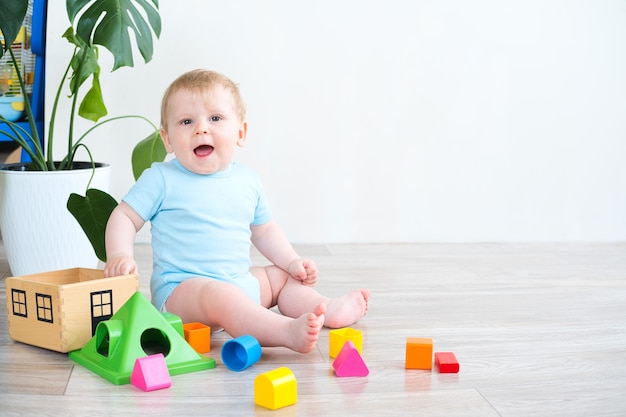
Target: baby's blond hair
<point>198,81</point>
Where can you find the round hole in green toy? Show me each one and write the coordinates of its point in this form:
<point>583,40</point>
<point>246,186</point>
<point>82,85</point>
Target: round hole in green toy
<point>154,341</point>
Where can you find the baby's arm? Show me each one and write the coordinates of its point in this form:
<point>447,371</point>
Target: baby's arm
<point>121,229</point>
<point>271,241</point>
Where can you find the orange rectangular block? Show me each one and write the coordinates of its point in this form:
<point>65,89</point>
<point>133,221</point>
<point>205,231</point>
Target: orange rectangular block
<point>198,335</point>
<point>419,353</point>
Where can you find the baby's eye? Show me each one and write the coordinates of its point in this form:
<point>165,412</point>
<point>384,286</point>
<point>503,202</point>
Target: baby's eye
<point>185,122</point>
<point>215,118</point>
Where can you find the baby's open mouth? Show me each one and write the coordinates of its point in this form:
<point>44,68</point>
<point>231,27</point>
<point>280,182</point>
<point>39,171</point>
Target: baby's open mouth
<point>203,150</point>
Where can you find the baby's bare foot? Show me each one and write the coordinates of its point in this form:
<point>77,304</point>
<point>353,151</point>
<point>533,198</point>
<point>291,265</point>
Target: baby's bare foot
<point>346,310</point>
<point>304,331</point>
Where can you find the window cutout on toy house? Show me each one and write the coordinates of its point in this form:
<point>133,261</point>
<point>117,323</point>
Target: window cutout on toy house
<point>101,308</point>
<point>18,298</point>
<point>44,307</point>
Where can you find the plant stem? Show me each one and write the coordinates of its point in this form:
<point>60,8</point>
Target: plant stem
<point>55,105</point>
<point>70,133</point>
<point>19,139</point>
<point>37,153</point>
<point>77,82</point>
<point>129,116</point>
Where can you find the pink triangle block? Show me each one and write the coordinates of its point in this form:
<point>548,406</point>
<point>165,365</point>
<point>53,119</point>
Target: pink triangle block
<point>150,373</point>
<point>349,362</point>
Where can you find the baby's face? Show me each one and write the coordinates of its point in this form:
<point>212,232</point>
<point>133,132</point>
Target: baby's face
<point>203,130</point>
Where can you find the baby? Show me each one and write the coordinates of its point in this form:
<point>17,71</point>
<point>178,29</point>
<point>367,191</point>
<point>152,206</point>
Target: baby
<point>205,211</point>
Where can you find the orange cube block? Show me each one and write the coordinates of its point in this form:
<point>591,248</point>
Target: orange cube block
<point>198,335</point>
<point>419,353</point>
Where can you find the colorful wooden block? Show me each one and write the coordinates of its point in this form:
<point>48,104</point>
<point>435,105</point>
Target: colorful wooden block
<point>419,353</point>
<point>339,337</point>
<point>276,389</point>
<point>349,362</point>
<point>198,335</point>
<point>447,362</point>
<point>150,373</point>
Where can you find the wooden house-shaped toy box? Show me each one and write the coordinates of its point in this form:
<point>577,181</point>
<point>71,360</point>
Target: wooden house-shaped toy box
<point>60,310</point>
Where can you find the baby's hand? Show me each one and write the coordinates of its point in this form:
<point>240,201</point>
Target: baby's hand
<point>305,270</point>
<point>121,265</point>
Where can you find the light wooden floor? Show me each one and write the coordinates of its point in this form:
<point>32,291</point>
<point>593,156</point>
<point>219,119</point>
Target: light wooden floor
<point>539,330</point>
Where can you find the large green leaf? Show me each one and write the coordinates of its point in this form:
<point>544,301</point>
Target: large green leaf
<point>149,150</point>
<point>108,23</point>
<point>12,14</point>
<point>92,213</point>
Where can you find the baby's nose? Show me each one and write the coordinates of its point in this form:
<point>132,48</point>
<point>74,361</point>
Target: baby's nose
<point>202,129</point>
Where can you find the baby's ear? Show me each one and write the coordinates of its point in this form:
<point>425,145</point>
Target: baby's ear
<point>243,132</point>
<point>166,141</point>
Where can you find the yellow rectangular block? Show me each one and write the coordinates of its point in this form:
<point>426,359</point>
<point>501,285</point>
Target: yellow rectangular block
<point>339,337</point>
<point>419,353</point>
<point>60,310</point>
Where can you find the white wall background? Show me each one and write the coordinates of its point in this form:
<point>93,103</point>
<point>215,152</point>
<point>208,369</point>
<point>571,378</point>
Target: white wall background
<point>377,121</point>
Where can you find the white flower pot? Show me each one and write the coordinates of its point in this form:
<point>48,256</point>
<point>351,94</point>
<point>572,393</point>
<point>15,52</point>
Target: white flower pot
<point>38,231</point>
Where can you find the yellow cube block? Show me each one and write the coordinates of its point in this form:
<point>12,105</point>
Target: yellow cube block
<point>276,389</point>
<point>419,353</point>
<point>339,337</point>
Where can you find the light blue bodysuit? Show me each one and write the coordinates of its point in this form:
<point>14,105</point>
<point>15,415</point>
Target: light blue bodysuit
<point>200,224</point>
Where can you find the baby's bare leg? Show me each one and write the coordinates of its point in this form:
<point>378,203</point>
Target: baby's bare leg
<point>220,304</point>
<point>293,298</point>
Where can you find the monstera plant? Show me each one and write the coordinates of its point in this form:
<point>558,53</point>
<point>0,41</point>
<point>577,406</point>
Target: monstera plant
<point>119,26</point>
